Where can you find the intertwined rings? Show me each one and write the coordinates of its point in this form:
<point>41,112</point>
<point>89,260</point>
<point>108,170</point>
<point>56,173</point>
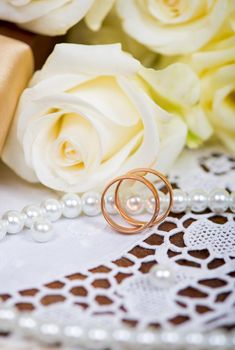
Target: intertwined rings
<point>137,225</point>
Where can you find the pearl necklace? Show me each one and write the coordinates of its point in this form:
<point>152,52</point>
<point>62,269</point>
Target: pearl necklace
<point>97,337</point>
<point>40,218</point>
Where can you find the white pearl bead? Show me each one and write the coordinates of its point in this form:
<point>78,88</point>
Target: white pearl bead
<point>49,333</point>
<point>32,213</point>
<point>123,336</point>
<point>218,201</point>
<point>110,204</point>
<point>195,339</point>
<point>98,338</point>
<point>198,200</point>
<point>73,335</point>
<point>217,340</point>
<point>180,201</point>
<point>170,338</point>
<point>27,325</point>
<point>53,209</point>
<point>72,205</point>
<point>146,338</point>
<point>134,205</point>
<point>150,203</point>
<point>42,230</point>
<point>232,202</point>
<point>162,276</point>
<point>3,228</point>
<point>91,203</point>
<point>15,221</point>
<point>8,318</point>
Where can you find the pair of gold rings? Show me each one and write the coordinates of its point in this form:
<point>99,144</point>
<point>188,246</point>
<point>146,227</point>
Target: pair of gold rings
<point>137,225</point>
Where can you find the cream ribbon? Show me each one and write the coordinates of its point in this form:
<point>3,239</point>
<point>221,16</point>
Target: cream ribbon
<point>16,68</point>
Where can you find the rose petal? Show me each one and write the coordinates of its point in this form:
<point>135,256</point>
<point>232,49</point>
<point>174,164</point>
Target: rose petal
<point>171,39</point>
<point>198,123</point>
<point>173,139</point>
<point>177,84</point>
<point>88,60</point>
<point>185,12</point>
<point>97,13</point>
<point>106,95</point>
<point>29,12</point>
<point>220,54</point>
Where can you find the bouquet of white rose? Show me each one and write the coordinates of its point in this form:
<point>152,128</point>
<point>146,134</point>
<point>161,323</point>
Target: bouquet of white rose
<point>94,111</point>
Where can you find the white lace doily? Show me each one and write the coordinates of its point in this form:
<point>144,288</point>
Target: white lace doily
<point>205,168</point>
<point>107,273</point>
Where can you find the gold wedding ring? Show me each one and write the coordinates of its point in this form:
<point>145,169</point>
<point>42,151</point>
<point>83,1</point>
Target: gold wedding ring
<point>136,225</point>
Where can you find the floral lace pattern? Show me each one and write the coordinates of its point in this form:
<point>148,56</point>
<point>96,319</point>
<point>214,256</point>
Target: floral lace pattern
<point>198,248</point>
<point>219,238</point>
<point>206,168</point>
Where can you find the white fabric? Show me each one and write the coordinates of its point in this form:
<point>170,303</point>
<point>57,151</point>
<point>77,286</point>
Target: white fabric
<point>85,243</point>
<point>78,244</point>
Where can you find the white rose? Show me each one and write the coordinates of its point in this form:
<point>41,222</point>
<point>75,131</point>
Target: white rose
<point>177,88</point>
<point>215,66</point>
<point>86,118</point>
<point>173,27</point>
<point>54,17</point>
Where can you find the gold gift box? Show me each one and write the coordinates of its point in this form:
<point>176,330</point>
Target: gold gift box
<point>20,53</point>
